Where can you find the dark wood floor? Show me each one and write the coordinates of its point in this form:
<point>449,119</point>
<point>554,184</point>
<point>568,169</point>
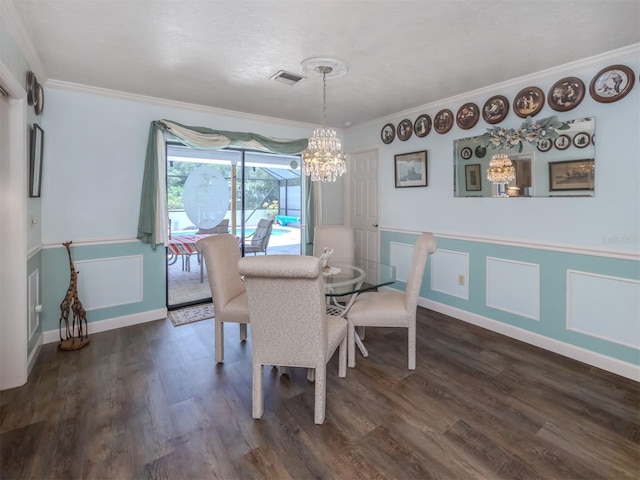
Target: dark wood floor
<point>148,401</point>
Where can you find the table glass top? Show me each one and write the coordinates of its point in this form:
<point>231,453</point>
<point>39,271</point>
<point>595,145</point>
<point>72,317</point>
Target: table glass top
<point>346,278</point>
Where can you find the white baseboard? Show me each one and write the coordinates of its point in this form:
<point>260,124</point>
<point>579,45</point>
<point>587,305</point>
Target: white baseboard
<point>53,336</point>
<point>598,360</point>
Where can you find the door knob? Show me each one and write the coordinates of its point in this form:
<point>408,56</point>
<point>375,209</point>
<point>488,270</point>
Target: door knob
<point>375,225</point>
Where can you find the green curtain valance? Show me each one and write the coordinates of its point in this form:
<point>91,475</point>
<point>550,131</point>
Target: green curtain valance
<point>152,226</point>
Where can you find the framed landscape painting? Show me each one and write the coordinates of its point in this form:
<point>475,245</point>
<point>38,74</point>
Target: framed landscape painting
<point>411,169</point>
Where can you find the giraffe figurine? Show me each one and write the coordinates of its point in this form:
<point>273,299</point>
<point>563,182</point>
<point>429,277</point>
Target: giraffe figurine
<point>76,336</point>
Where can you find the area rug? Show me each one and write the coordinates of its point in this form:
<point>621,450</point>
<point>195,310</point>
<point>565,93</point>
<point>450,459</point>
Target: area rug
<point>191,314</point>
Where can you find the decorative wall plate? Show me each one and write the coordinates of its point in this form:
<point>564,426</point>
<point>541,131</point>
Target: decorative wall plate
<point>566,94</point>
<point>467,116</point>
<point>388,133</point>
<point>528,102</point>
<point>562,142</point>
<point>422,125</point>
<point>612,83</point>
<point>32,88</point>
<point>443,121</point>
<point>495,109</point>
<point>405,129</point>
<point>582,139</point>
<point>480,151</point>
<point>466,153</point>
<point>39,101</point>
<point>545,145</point>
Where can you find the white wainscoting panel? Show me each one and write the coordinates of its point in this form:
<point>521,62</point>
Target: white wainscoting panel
<point>110,282</point>
<point>604,307</point>
<point>33,300</point>
<point>400,255</point>
<point>448,270</point>
<point>514,287</point>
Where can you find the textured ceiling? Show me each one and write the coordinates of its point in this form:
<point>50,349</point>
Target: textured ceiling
<point>400,54</point>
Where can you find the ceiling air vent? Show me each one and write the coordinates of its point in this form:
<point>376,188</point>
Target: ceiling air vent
<point>287,77</point>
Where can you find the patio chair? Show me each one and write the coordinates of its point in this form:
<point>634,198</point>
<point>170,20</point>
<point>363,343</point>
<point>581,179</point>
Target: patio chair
<point>222,227</point>
<point>221,255</point>
<point>258,241</point>
<point>289,325</point>
<point>393,308</point>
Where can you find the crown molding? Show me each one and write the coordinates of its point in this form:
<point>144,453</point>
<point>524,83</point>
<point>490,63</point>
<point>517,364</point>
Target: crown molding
<point>105,92</point>
<point>599,61</point>
<point>18,32</point>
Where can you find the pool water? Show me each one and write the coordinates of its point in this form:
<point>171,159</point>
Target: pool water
<point>275,231</point>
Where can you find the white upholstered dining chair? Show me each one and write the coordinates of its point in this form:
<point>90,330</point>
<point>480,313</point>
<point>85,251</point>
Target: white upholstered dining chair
<point>221,255</point>
<point>289,325</point>
<point>392,308</point>
<point>340,238</point>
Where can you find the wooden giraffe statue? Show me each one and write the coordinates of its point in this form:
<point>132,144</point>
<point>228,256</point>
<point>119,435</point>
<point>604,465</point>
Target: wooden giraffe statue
<point>76,335</point>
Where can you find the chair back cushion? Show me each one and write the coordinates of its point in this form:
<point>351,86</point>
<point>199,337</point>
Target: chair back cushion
<point>425,244</point>
<point>222,227</point>
<point>221,255</point>
<point>286,308</point>
<point>260,237</point>
<point>340,238</point>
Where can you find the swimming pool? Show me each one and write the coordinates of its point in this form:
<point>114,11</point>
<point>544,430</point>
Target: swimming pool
<point>275,231</point>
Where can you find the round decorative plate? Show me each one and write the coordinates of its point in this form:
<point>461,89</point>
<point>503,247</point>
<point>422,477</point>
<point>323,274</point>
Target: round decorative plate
<point>388,133</point>
<point>480,151</point>
<point>495,109</point>
<point>32,88</point>
<point>562,142</point>
<point>405,129</point>
<point>582,139</point>
<point>467,116</point>
<point>566,94</point>
<point>422,125</point>
<point>545,145</point>
<point>612,83</point>
<point>466,153</point>
<point>528,102</point>
<point>39,102</point>
<point>443,121</point>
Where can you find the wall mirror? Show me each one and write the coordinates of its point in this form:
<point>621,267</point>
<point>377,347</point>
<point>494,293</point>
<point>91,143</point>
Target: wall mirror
<point>564,166</point>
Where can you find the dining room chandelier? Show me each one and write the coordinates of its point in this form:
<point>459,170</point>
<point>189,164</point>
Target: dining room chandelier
<point>501,170</point>
<point>324,160</point>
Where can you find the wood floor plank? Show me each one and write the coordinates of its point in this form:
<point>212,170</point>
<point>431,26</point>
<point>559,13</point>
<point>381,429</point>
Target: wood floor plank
<point>150,402</point>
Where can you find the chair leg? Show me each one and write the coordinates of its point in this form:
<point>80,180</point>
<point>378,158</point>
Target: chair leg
<point>342,358</point>
<point>243,331</point>
<point>257,408</point>
<point>320,394</point>
<point>351,344</point>
<point>219,334</point>
<point>411,340</point>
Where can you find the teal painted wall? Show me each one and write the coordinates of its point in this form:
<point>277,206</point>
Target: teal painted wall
<point>553,287</point>
<point>56,275</point>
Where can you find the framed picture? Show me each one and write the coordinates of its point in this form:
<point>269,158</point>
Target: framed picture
<point>405,129</point>
<point>495,109</point>
<point>562,142</point>
<point>411,169</point>
<point>35,160</point>
<point>612,83</point>
<point>422,125</point>
<point>467,116</point>
<point>472,177</point>
<point>566,94</point>
<point>443,121</point>
<point>582,139</point>
<point>528,102</point>
<point>571,175</point>
<point>388,133</point>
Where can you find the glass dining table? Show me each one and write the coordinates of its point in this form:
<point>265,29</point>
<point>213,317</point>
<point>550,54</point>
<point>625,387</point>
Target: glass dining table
<point>344,280</point>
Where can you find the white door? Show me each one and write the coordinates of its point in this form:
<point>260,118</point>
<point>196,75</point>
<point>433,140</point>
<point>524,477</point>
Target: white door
<point>364,203</point>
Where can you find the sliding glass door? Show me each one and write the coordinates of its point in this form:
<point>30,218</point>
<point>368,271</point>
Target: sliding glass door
<point>227,191</point>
